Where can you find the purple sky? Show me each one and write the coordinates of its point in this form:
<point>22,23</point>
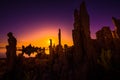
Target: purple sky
<point>21,16</point>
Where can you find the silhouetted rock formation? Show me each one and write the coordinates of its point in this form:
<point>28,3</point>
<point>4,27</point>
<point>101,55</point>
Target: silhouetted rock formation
<point>59,36</point>
<point>50,47</point>
<point>84,51</point>
<point>105,38</point>
<point>11,51</point>
<point>60,50</point>
<point>117,26</point>
<point>81,33</point>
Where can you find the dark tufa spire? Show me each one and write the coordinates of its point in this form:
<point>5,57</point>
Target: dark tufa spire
<point>76,15</point>
<point>83,8</point>
<point>59,36</point>
<point>84,19</point>
<point>117,26</point>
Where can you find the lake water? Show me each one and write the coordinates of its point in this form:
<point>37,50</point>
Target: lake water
<point>3,53</point>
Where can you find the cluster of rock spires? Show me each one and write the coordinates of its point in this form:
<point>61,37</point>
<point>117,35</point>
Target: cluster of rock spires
<point>104,50</point>
<point>105,38</point>
<point>81,34</point>
<point>86,54</point>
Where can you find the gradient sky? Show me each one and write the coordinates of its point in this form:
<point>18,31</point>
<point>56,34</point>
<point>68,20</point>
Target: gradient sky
<point>36,21</point>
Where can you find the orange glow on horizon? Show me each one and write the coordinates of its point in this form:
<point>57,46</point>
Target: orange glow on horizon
<point>41,38</point>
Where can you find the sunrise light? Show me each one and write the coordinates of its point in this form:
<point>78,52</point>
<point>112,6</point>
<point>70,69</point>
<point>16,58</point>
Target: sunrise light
<point>40,38</point>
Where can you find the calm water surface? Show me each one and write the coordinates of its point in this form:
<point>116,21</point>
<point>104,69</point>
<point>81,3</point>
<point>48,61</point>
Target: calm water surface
<point>3,53</point>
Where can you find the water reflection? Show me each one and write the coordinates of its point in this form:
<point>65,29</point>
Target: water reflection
<point>3,53</point>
